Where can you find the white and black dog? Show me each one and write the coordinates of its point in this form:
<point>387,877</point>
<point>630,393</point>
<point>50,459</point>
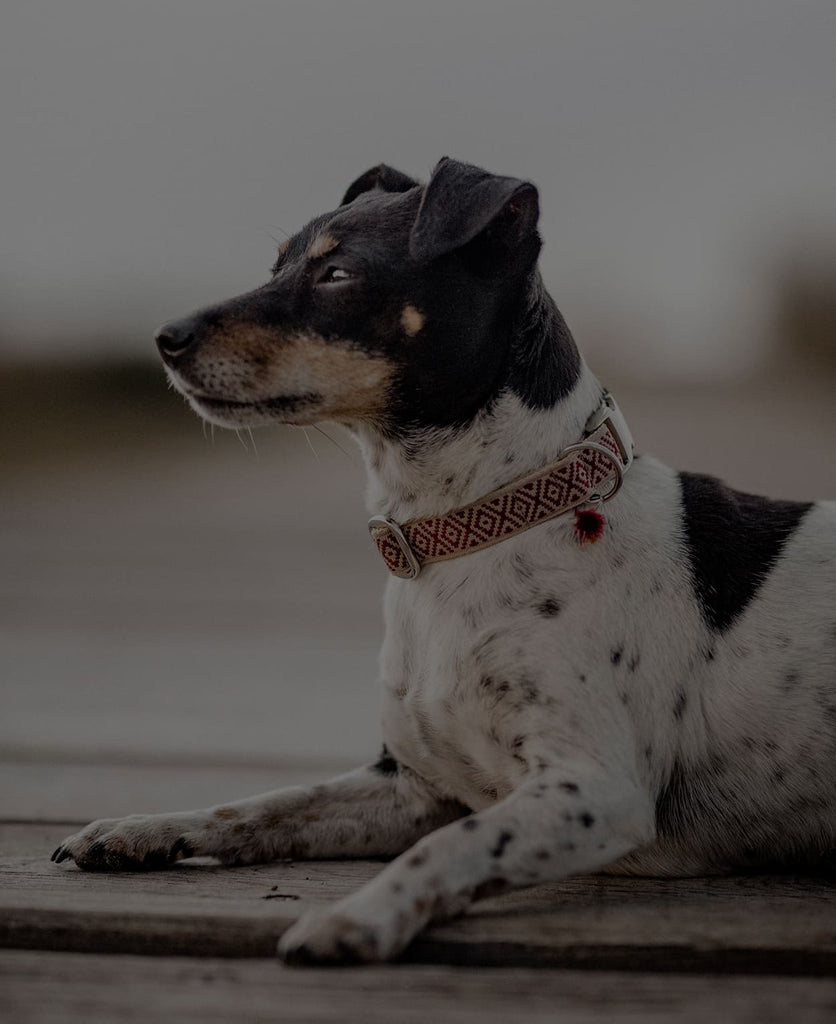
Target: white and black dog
<point>644,686</point>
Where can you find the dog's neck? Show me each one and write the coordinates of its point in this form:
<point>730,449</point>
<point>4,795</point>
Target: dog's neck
<point>433,471</point>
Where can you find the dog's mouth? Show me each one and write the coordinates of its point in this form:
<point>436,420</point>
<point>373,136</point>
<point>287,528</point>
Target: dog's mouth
<point>236,413</point>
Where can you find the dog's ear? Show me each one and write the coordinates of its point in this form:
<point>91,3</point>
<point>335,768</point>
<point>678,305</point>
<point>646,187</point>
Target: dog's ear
<point>462,201</point>
<point>382,177</point>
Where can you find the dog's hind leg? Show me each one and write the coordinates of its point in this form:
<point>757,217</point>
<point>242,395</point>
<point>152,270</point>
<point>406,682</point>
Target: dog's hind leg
<point>554,825</point>
<point>379,810</point>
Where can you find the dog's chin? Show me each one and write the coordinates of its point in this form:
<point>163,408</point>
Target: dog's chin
<point>299,409</point>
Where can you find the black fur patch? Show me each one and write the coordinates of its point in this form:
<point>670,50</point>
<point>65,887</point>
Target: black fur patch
<point>733,542</point>
<point>386,764</point>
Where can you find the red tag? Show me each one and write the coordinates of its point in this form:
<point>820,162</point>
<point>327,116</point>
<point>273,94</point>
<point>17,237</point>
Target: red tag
<point>589,525</point>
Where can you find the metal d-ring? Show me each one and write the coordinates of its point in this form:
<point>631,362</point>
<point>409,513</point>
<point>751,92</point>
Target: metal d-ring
<point>619,469</point>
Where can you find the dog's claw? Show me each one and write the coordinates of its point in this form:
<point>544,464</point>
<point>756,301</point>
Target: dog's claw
<point>59,855</point>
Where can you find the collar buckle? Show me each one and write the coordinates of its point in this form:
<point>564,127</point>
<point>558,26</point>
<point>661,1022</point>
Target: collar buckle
<point>384,532</point>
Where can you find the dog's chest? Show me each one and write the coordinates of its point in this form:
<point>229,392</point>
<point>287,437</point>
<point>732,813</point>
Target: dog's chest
<point>476,672</point>
<point>439,716</point>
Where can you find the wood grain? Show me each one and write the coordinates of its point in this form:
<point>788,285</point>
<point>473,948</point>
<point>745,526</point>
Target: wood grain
<point>750,924</point>
<point>44,988</point>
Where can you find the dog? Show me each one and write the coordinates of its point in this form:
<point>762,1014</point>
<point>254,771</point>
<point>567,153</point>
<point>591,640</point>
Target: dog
<point>592,662</point>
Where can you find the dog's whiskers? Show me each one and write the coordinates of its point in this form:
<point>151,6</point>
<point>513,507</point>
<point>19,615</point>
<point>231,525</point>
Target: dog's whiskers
<point>252,441</point>
<point>310,445</point>
<point>333,441</point>
<point>241,440</point>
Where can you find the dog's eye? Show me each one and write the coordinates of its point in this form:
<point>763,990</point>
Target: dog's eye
<point>334,275</point>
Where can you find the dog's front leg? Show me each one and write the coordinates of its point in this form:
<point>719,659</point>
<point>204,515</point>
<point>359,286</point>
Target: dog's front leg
<point>375,811</point>
<point>552,826</point>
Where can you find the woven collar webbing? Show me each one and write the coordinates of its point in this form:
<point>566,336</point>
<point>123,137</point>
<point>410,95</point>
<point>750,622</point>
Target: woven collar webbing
<point>580,473</point>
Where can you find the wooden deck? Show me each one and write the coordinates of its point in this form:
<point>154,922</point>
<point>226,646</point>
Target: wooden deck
<point>198,941</point>
<point>162,646</point>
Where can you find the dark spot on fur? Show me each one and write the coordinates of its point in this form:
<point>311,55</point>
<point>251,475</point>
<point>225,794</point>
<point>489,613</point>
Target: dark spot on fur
<point>502,841</point>
<point>569,787</point>
<point>615,655</point>
<point>397,887</point>
<point>680,705</point>
<point>568,847</point>
<point>624,697</point>
<point>543,854</point>
<point>633,663</point>
<point>648,752</point>
<point>791,679</point>
<point>449,480</point>
<point>529,690</point>
<point>582,677</point>
<point>522,566</point>
<point>586,819</point>
<point>386,764</point>
<point>708,654</point>
<point>469,824</point>
<point>549,608</point>
<point>417,859</point>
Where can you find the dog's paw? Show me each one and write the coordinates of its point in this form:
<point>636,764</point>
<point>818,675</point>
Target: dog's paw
<point>332,937</point>
<point>137,843</point>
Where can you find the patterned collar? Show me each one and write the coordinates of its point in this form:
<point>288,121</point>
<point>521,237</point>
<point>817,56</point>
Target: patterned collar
<point>575,479</point>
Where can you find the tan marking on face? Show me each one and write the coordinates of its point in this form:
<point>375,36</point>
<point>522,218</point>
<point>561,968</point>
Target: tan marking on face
<point>321,245</point>
<point>412,320</point>
<point>248,363</point>
<point>352,384</point>
<point>284,247</point>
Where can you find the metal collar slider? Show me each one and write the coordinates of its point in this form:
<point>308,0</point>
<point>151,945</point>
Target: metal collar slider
<point>379,524</point>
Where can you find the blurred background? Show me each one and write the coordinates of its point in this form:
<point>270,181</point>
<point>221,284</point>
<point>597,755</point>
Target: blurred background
<point>185,618</point>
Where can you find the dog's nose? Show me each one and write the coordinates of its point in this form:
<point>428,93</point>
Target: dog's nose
<point>174,338</point>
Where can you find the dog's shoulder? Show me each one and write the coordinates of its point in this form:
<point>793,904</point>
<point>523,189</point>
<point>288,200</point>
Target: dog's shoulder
<point>733,542</point>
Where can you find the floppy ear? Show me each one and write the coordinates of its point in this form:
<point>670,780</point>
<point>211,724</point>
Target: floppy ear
<point>382,177</point>
<point>461,201</point>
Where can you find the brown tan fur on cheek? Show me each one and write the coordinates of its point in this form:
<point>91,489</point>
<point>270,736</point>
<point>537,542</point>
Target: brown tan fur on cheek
<point>353,385</point>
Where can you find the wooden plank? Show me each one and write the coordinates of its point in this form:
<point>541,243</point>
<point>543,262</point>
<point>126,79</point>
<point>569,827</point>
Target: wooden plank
<point>758,924</point>
<point>48,988</point>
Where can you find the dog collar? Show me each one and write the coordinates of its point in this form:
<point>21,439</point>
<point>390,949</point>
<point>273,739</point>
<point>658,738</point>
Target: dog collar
<point>602,457</point>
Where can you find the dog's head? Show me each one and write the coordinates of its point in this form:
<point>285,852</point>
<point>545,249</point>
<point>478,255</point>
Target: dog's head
<point>394,309</point>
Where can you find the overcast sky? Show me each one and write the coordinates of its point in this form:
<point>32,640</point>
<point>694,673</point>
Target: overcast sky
<point>150,150</point>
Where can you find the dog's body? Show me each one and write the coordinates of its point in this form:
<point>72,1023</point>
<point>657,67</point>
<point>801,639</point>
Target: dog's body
<point>662,701</point>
